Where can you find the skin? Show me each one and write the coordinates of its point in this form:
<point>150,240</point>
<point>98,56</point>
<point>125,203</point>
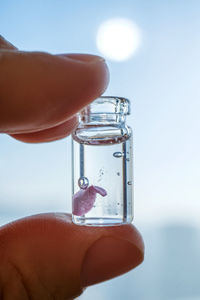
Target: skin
<point>46,256</point>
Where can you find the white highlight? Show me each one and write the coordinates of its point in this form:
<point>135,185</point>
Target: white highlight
<point>118,39</point>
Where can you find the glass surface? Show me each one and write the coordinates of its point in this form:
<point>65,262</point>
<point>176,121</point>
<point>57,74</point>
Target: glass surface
<point>108,167</point>
<point>102,165</point>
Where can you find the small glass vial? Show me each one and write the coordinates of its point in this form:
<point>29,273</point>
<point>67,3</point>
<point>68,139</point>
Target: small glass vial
<point>102,164</point>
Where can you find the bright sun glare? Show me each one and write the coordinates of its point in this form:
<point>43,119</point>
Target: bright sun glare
<point>118,39</point>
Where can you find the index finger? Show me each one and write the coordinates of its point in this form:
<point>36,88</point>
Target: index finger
<point>39,90</point>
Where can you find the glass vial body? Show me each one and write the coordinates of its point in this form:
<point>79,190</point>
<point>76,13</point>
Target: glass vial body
<point>102,161</point>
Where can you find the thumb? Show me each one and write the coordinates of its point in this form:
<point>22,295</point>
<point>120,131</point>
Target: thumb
<point>46,256</point>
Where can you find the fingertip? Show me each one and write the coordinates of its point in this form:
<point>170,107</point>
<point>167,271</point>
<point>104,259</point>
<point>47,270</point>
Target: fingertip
<point>48,135</point>
<point>48,90</point>
<point>109,257</point>
<point>66,257</point>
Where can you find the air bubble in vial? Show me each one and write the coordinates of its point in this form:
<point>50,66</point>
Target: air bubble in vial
<point>117,154</point>
<point>83,183</point>
<point>101,172</point>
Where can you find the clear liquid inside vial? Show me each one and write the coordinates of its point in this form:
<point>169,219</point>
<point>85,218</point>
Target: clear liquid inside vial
<point>102,164</point>
<point>108,166</point>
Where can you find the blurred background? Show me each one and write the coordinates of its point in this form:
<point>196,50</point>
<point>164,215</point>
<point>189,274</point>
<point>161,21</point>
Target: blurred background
<point>153,52</point>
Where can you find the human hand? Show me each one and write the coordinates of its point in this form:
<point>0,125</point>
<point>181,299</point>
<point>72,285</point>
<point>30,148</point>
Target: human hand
<point>46,256</point>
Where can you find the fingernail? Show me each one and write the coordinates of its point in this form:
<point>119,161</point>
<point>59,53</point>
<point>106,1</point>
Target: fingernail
<point>89,58</point>
<point>109,257</point>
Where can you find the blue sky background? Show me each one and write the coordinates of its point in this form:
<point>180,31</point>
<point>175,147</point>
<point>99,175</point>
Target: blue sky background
<point>162,80</point>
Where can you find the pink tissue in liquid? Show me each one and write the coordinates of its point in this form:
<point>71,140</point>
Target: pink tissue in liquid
<point>84,199</point>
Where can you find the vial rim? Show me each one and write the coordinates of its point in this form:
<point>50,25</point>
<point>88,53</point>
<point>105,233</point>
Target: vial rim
<point>125,102</point>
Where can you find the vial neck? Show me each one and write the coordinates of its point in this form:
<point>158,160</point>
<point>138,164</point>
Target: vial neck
<point>102,119</point>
